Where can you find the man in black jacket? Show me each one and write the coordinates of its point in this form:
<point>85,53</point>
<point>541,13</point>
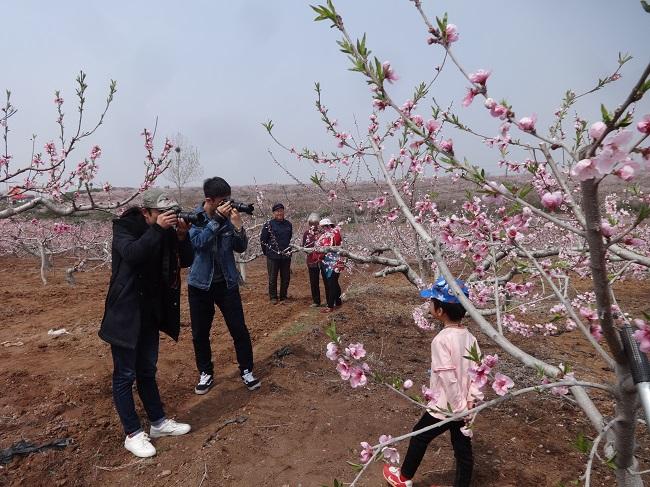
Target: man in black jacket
<point>143,299</point>
<point>275,239</point>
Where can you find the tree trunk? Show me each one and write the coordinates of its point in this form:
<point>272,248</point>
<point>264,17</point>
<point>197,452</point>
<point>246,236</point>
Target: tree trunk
<point>621,438</point>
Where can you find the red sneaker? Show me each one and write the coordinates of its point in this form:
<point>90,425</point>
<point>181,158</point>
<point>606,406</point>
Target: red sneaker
<point>327,310</point>
<point>394,477</point>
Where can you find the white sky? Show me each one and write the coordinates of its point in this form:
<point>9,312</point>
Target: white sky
<point>214,70</point>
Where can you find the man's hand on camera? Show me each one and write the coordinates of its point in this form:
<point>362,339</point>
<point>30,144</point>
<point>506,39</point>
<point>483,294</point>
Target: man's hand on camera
<point>224,209</point>
<point>235,219</point>
<point>182,227</point>
<point>167,219</point>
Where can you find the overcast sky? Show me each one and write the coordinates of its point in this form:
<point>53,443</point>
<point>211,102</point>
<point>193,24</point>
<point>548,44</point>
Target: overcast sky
<point>214,70</point>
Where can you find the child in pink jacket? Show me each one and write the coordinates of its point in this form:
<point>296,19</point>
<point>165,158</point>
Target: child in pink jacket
<point>451,387</point>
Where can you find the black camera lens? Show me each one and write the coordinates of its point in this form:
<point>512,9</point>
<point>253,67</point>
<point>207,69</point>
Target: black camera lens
<point>190,217</point>
<point>243,207</point>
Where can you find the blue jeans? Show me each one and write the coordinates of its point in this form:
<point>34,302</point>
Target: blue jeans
<point>137,366</point>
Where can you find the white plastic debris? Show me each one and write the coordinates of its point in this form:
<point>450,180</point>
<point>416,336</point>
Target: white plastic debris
<point>57,333</point>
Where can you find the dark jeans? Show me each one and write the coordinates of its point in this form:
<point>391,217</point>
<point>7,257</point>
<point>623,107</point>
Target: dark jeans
<point>283,267</point>
<point>137,366</point>
<point>314,282</point>
<point>462,449</point>
<point>202,312</point>
<point>332,287</point>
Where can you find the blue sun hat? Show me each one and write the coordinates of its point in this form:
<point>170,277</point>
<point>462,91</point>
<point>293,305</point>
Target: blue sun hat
<point>441,291</point>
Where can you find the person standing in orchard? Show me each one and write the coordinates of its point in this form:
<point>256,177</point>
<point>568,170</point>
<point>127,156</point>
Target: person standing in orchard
<point>275,240</point>
<point>214,280</point>
<point>150,245</point>
<point>451,387</point>
<point>331,263</point>
<point>309,239</point>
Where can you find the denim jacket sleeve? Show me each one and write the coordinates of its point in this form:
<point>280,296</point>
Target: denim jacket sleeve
<point>239,240</point>
<point>203,237</point>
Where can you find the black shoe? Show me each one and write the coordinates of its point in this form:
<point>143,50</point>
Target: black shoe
<point>205,383</point>
<point>250,380</point>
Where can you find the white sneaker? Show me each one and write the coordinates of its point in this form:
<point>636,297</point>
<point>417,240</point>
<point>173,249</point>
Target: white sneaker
<point>250,380</point>
<point>169,427</point>
<point>140,445</point>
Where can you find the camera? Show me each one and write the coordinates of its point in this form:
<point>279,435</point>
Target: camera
<point>242,207</point>
<point>189,216</point>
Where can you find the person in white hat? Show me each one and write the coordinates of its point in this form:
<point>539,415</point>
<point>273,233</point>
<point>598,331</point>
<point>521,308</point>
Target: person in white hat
<point>331,263</point>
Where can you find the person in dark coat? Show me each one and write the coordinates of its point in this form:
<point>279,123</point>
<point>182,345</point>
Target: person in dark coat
<point>150,245</point>
<point>275,240</point>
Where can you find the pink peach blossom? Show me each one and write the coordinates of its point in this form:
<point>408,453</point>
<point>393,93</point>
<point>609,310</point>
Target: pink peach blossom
<point>644,125</point>
<point>469,97</point>
<point>606,229</point>
<point>596,331</point>
<point>343,369</point>
<point>446,146</point>
<point>584,170</point>
<point>432,125</point>
<point>391,455</point>
<point>430,396</point>
<point>417,120</point>
<point>502,383</point>
<point>366,452</point>
<point>356,351</point>
<point>626,172</point>
<point>552,201</point>
<point>408,383</point>
<point>389,74</point>
<point>642,335</point>
<point>479,375</point>
<point>596,130</point>
<point>467,431</point>
<point>527,124</point>
<point>490,360</point>
<point>357,377</point>
<point>451,33</point>
<point>384,439</point>
<point>332,351</point>
<point>480,77</point>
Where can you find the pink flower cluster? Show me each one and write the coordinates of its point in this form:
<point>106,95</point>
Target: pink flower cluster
<point>497,110</point>
<point>389,454</point>
<point>419,316</point>
<point>389,73</point>
<point>480,375</point>
<point>378,202</point>
<point>591,317</point>
<point>552,201</point>
<point>613,157</point>
<point>348,362</point>
<point>479,78</point>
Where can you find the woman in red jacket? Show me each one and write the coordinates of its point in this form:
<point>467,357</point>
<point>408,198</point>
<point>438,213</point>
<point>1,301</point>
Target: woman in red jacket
<point>309,239</point>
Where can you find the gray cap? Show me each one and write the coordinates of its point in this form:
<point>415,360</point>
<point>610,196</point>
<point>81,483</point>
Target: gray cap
<point>157,199</point>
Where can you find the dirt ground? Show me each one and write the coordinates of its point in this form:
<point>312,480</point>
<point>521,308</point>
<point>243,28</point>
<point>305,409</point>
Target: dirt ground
<point>299,429</point>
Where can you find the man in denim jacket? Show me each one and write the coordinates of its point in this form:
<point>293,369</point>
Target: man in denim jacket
<point>214,279</point>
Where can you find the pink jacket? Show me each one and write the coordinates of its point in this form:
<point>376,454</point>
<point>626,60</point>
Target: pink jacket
<point>450,379</point>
